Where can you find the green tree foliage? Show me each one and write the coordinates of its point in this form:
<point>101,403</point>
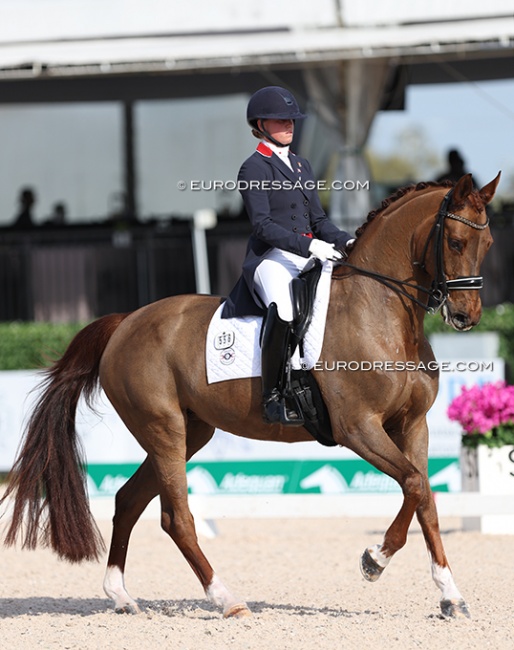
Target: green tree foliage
<point>412,160</point>
<point>390,169</point>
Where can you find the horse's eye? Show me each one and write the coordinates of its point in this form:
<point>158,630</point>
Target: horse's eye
<point>456,245</point>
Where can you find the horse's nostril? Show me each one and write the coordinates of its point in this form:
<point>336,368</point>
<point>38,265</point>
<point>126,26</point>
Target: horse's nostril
<point>461,320</point>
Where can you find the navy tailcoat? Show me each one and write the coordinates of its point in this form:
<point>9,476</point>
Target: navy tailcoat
<point>285,212</point>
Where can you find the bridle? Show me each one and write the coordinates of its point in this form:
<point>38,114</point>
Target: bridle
<point>438,293</point>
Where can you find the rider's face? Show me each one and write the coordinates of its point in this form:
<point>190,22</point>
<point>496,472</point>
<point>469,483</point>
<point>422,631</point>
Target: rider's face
<point>280,130</point>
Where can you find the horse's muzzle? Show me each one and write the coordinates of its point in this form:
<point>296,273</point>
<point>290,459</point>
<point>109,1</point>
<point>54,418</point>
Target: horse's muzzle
<point>459,320</point>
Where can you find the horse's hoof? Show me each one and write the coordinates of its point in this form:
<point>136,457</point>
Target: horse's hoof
<point>237,611</point>
<point>369,568</point>
<point>127,608</point>
<point>455,609</point>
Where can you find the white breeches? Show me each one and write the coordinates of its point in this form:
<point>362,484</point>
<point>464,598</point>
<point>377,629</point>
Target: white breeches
<point>272,280</point>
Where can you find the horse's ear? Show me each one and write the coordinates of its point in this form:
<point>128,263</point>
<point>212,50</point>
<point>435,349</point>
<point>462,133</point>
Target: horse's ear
<point>462,189</point>
<point>488,191</point>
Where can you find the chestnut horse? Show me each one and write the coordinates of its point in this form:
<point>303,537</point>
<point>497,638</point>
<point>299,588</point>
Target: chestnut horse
<point>426,243</point>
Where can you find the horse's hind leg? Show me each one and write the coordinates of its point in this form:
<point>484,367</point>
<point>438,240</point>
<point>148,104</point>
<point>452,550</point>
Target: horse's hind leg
<point>131,501</point>
<point>178,522</point>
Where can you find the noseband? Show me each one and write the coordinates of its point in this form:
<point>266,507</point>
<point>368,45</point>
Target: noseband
<point>440,289</point>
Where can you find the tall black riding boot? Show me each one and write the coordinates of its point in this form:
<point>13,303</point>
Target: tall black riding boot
<point>275,354</point>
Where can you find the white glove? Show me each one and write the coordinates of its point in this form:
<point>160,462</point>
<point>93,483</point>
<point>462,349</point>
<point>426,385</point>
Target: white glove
<point>324,251</point>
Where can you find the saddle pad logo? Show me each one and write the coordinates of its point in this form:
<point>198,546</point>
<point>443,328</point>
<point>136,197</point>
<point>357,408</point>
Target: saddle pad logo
<point>224,340</point>
<point>227,356</point>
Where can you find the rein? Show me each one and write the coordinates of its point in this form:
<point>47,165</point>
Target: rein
<point>438,293</point>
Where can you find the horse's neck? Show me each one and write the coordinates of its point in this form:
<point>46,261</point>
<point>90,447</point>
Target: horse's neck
<point>386,248</point>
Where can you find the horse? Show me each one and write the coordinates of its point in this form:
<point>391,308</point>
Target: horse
<point>420,251</point>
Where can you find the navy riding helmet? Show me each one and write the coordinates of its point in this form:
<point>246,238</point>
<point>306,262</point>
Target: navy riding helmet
<point>272,103</point>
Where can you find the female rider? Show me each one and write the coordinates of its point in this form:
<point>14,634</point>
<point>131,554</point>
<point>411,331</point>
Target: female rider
<point>289,225</point>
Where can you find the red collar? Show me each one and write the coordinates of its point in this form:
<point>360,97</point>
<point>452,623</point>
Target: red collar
<point>264,150</point>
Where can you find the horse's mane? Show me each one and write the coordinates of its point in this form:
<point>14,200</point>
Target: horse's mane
<point>415,187</point>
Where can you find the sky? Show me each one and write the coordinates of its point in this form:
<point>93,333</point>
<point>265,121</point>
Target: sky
<point>477,118</point>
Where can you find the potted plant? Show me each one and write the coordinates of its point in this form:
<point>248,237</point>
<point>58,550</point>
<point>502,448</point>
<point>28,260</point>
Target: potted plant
<point>486,415</point>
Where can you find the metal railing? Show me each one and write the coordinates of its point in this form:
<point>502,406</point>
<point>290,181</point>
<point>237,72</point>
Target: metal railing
<point>78,273</point>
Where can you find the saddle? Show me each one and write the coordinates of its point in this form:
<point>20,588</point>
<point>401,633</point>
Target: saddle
<point>303,289</point>
<point>300,384</point>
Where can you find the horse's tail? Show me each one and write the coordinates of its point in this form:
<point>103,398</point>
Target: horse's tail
<point>47,481</point>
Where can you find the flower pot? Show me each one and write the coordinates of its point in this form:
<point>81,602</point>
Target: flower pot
<point>488,471</point>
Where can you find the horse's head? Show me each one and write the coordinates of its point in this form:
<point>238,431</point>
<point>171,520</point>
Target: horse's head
<point>446,252</point>
<point>459,249</point>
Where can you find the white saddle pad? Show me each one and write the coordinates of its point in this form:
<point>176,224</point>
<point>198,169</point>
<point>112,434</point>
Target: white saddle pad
<point>233,350</point>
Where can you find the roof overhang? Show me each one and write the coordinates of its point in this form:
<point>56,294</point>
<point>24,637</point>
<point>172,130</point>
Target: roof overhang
<point>215,52</point>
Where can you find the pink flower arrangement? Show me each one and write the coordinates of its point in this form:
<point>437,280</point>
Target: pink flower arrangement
<point>486,413</point>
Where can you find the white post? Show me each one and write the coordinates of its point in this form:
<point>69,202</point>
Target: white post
<point>202,220</point>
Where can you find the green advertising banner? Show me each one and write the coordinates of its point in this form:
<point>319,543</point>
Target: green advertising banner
<point>280,477</point>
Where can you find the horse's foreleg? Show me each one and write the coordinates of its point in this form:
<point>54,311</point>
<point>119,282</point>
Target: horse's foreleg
<point>415,447</point>
<point>376,558</point>
<point>131,501</point>
<point>452,603</point>
<point>375,446</point>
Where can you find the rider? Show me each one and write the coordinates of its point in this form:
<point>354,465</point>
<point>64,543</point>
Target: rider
<point>289,225</point>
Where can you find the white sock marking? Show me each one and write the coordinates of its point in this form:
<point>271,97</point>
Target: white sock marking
<point>444,580</point>
<point>114,587</point>
<point>376,553</point>
<point>220,595</point>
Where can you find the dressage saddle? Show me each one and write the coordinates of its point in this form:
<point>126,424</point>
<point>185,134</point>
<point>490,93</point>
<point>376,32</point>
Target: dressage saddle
<point>301,384</point>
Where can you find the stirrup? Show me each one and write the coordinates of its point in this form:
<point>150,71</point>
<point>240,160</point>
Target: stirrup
<point>276,411</point>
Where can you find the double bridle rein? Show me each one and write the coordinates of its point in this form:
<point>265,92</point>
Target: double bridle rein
<point>440,289</point>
